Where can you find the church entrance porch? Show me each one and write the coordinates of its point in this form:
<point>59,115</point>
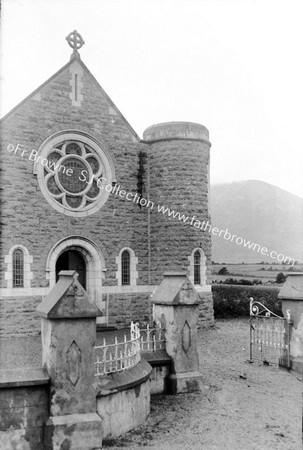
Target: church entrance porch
<point>80,254</point>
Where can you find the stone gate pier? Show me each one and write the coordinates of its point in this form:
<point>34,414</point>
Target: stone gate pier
<point>291,296</point>
<point>176,307</point>
<point>68,331</point>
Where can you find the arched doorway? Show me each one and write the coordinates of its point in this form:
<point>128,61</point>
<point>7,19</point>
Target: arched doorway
<point>72,260</point>
<point>94,264</point>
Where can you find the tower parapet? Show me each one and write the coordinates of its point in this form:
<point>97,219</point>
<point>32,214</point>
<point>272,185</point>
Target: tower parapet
<point>176,130</point>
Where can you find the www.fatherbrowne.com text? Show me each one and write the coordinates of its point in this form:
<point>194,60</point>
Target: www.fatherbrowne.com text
<point>138,199</point>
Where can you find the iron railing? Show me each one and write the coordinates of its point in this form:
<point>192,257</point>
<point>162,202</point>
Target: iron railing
<point>119,356</point>
<point>152,339</point>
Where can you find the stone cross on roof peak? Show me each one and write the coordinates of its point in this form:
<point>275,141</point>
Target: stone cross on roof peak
<point>75,41</point>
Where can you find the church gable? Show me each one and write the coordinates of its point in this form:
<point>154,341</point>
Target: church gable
<point>72,98</point>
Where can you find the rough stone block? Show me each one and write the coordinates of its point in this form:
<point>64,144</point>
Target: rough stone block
<point>185,382</point>
<point>73,432</point>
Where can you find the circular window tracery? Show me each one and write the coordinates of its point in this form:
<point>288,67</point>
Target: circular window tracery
<point>76,172</point>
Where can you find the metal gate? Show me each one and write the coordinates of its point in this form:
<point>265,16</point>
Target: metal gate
<point>269,335</point>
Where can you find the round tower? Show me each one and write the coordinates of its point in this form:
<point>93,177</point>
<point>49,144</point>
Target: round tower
<point>179,226</point>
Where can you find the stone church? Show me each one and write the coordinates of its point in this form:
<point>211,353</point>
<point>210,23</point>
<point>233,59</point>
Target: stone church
<point>80,190</point>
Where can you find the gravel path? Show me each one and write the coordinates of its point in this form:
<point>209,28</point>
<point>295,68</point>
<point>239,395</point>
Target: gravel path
<point>263,411</point>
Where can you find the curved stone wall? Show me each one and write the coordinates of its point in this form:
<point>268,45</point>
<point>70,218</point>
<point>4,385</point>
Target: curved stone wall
<point>123,399</point>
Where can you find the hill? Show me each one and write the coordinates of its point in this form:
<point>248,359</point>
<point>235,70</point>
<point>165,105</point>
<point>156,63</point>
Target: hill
<point>258,212</point>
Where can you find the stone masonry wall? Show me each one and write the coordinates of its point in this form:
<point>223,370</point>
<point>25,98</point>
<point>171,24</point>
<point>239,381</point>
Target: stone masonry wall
<point>124,308</point>
<point>28,217</point>
<point>18,316</point>
<point>23,412</point>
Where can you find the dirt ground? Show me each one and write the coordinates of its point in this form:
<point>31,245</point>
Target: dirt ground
<point>261,411</point>
<point>242,406</point>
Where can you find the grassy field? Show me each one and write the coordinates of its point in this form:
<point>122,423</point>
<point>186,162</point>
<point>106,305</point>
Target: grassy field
<point>265,272</point>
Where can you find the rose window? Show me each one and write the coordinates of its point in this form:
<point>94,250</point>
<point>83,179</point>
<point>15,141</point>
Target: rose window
<point>73,175</point>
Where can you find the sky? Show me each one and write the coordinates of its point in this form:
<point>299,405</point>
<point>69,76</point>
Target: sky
<point>234,66</point>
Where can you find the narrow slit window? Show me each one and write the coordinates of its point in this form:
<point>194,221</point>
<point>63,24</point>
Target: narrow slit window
<point>197,267</point>
<point>125,272</point>
<point>76,87</point>
<point>18,269</point>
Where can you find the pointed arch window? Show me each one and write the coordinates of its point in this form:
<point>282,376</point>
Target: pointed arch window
<point>18,268</point>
